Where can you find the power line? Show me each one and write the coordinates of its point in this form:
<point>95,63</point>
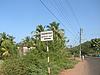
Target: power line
<point>54,15</point>
<point>75,40</point>
<point>71,8</point>
<point>57,8</point>
<point>61,6</point>
<point>61,11</point>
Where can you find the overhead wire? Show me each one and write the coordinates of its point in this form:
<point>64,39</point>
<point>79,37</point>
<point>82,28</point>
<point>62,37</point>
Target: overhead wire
<point>54,15</point>
<point>75,40</point>
<point>60,6</point>
<point>64,17</point>
<point>74,14</point>
<point>57,9</point>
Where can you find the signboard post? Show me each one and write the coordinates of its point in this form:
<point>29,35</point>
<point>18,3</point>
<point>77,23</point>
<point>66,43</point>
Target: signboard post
<point>47,36</point>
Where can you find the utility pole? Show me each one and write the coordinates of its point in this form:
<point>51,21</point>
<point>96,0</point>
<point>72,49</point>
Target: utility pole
<point>80,43</point>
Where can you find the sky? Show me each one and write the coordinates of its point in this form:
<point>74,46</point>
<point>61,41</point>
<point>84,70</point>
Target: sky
<point>20,17</point>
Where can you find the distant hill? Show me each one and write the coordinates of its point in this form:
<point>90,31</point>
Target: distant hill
<point>91,47</point>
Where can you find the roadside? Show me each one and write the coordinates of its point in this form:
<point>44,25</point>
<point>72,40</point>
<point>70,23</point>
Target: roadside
<point>80,69</point>
<point>1,62</point>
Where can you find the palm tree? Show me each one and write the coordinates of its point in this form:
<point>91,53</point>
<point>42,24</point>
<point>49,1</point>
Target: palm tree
<point>39,29</point>
<point>36,37</point>
<point>26,41</point>
<point>95,44</point>
<point>55,28</point>
<point>6,43</point>
<point>36,33</point>
<point>58,36</point>
<point>3,36</point>
<point>11,38</point>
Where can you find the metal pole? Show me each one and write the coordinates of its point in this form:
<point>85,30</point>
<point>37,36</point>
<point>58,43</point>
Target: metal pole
<point>48,59</point>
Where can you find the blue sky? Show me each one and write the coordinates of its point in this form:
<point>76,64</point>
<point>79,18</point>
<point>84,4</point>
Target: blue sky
<point>20,17</point>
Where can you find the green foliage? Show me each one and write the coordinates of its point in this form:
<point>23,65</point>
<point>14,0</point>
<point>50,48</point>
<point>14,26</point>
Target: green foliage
<point>74,51</point>
<point>7,45</point>
<point>88,48</point>
<point>95,44</point>
<point>31,64</point>
<point>35,62</point>
<point>27,41</point>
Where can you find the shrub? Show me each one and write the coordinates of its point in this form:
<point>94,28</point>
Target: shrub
<point>35,63</point>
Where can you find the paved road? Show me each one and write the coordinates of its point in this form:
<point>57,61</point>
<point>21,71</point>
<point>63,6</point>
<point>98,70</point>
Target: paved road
<point>90,66</point>
<point>93,65</point>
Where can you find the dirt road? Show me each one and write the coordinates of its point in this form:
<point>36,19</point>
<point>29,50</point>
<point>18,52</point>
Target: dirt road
<point>91,66</point>
<point>80,69</point>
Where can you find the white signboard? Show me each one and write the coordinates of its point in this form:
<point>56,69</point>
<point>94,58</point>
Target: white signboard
<point>47,36</point>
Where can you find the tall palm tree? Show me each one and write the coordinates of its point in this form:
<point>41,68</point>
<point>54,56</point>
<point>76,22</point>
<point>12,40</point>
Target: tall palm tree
<point>26,41</point>
<point>58,36</point>
<point>3,36</point>
<point>6,43</point>
<point>11,38</point>
<point>36,33</point>
<point>36,36</point>
<point>40,28</point>
<point>95,43</point>
<point>55,28</point>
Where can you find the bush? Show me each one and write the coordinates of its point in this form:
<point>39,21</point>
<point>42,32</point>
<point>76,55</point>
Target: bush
<point>31,64</point>
<point>35,63</point>
<point>14,67</point>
